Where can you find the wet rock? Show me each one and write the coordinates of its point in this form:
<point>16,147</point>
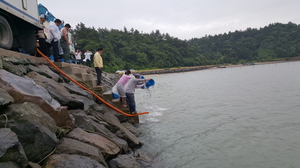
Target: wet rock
<point>132,129</point>
<point>74,161</point>
<point>11,149</point>
<point>5,99</point>
<point>132,140</point>
<point>34,127</point>
<point>107,147</point>
<point>124,161</point>
<point>71,146</point>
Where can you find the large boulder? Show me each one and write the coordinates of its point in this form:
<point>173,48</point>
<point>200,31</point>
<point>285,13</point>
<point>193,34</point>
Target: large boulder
<point>11,149</point>
<point>91,124</point>
<point>44,69</point>
<point>108,148</point>
<point>24,89</point>
<point>57,91</point>
<point>5,99</point>
<point>35,129</point>
<point>68,161</point>
<point>124,161</point>
<point>74,147</point>
<point>125,134</point>
<point>75,89</point>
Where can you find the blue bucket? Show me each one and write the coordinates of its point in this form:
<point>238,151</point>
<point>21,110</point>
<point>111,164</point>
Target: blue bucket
<point>51,57</point>
<point>149,83</point>
<point>115,96</point>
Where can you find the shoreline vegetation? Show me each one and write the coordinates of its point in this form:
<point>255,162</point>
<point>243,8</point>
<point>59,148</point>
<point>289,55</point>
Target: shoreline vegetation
<point>210,67</point>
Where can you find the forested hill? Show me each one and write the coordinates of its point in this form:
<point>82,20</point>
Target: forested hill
<point>131,49</point>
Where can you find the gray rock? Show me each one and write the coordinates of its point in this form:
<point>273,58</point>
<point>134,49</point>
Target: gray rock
<point>71,161</point>
<point>91,124</point>
<point>5,98</point>
<point>11,149</point>
<point>110,118</point>
<point>106,146</point>
<point>37,70</point>
<point>71,146</point>
<point>24,89</point>
<point>50,73</point>
<point>19,70</point>
<point>57,91</point>
<point>132,129</point>
<point>35,129</point>
<point>75,89</point>
<point>18,61</point>
<point>124,161</point>
<point>9,165</point>
<point>1,64</point>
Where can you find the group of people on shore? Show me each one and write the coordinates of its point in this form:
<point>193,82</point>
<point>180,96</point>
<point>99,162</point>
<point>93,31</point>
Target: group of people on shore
<point>51,39</point>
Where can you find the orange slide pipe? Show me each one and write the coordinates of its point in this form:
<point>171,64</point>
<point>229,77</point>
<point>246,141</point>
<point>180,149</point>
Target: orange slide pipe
<point>99,98</point>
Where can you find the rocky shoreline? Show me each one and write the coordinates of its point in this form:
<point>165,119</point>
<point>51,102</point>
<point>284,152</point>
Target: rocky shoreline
<point>48,121</point>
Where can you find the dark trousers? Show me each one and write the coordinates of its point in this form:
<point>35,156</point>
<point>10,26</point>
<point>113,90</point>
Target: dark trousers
<point>54,45</point>
<point>43,46</point>
<point>130,102</point>
<point>99,75</point>
<point>66,49</point>
<point>88,63</point>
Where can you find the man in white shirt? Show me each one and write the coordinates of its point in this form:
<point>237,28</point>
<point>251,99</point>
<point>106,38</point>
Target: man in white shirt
<point>55,36</point>
<point>87,58</point>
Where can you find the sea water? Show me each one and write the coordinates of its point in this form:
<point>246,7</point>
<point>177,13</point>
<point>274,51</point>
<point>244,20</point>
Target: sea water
<point>242,117</point>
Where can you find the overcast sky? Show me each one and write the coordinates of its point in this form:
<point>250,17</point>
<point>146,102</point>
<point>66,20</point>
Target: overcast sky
<point>184,19</point>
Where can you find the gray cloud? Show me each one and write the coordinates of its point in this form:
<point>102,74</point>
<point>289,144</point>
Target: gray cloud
<point>182,19</point>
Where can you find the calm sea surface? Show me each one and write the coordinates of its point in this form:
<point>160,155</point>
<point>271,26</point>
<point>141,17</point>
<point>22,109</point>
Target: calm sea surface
<point>243,117</point>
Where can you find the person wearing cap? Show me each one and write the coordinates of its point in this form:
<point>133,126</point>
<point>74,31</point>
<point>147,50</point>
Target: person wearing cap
<point>64,42</point>
<point>130,88</point>
<point>42,37</point>
<point>54,37</point>
<point>98,64</point>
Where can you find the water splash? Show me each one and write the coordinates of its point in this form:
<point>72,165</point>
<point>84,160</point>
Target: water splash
<point>146,102</point>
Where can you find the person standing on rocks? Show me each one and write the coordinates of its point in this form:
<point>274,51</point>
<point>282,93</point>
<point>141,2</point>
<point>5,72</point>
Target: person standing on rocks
<point>64,42</point>
<point>42,37</point>
<point>132,84</point>
<point>98,63</point>
<point>54,34</point>
<point>78,56</point>
<point>121,87</point>
<point>87,58</point>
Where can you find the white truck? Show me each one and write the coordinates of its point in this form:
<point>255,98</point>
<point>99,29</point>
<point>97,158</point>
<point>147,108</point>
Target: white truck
<point>19,23</point>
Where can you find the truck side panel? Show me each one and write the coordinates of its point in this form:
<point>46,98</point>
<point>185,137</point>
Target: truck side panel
<point>24,9</point>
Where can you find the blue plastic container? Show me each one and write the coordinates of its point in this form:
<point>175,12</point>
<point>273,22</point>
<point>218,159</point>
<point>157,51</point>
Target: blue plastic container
<point>149,83</point>
<point>51,57</point>
<point>115,96</point>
